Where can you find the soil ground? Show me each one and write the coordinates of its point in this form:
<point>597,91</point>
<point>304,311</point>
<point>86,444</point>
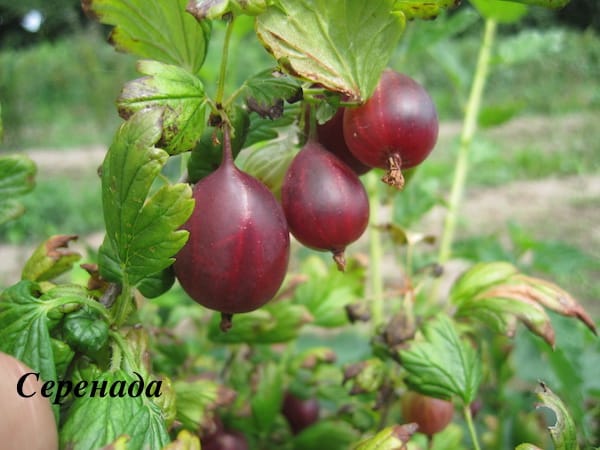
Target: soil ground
<point>565,209</point>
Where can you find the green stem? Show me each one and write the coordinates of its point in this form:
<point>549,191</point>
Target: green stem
<point>122,306</point>
<point>469,128</point>
<point>472,432</point>
<point>224,59</point>
<point>375,252</point>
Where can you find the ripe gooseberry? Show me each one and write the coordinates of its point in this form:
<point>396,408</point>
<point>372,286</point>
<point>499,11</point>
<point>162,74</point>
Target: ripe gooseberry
<point>331,136</point>
<point>430,413</point>
<point>325,203</point>
<point>300,413</point>
<point>238,248</point>
<point>395,129</point>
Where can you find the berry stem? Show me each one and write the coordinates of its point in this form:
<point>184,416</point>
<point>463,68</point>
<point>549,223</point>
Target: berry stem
<point>224,59</point>
<point>394,176</point>
<point>468,131</point>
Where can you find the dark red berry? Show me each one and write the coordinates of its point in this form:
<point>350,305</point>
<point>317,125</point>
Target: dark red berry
<point>325,203</point>
<point>237,253</point>
<point>331,136</point>
<point>430,413</point>
<point>300,413</point>
<point>225,440</point>
<point>395,129</point>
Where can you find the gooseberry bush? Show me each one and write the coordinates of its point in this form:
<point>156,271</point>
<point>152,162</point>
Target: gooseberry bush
<point>199,319</point>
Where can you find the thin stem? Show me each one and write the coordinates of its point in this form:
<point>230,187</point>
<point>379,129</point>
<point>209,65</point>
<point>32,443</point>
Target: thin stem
<point>224,59</point>
<point>375,252</point>
<point>122,306</point>
<point>469,128</point>
<point>472,432</point>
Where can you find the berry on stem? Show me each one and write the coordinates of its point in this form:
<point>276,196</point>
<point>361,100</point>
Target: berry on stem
<point>395,129</point>
<point>238,248</point>
<point>325,203</point>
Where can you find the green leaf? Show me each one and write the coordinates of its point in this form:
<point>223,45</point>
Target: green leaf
<point>159,30</point>
<point>389,438</point>
<point>442,365</point>
<point>24,328</point>
<point>157,284</point>
<point>500,10</point>
<point>263,129</point>
<point>266,401</point>
<point>51,259</point>
<point>194,400</point>
<point>84,330</point>
<point>177,93</point>
<point>423,9</point>
<point>269,161</point>
<point>16,178</point>
<point>327,293</point>
<point>216,9</point>
<point>563,432</point>
<point>270,85</point>
<point>326,434</point>
<point>480,277</point>
<point>137,417</point>
<point>142,233</point>
<point>553,4</point>
<point>343,45</point>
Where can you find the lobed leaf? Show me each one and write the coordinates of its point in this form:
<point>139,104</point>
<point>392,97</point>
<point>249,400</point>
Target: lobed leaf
<point>17,174</point>
<point>341,45</point>
<point>442,365</point>
<point>177,93</point>
<point>50,259</point>
<point>142,230</point>
<point>268,398</point>
<point>137,417</point>
<point>160,30</point>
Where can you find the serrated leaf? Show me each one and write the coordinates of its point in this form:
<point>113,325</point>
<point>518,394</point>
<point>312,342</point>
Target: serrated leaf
<point>216,9</point>
<point>266,401</point>
<point>442,365</point>
<point>24,328</point>
<point>343,45</point>
<point>137,417</point>
<point>423,9</point>
<point>50,259</point>
<point>177,93</point>
<point>142,230</point>
<point>160,30</point>
<point>17,174</point>
<point>85,331</point>
<point>263,129</point>
<point>196,399</point>
<point>500,10</point>
<point>270,85</point>
<point>563,432</point>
